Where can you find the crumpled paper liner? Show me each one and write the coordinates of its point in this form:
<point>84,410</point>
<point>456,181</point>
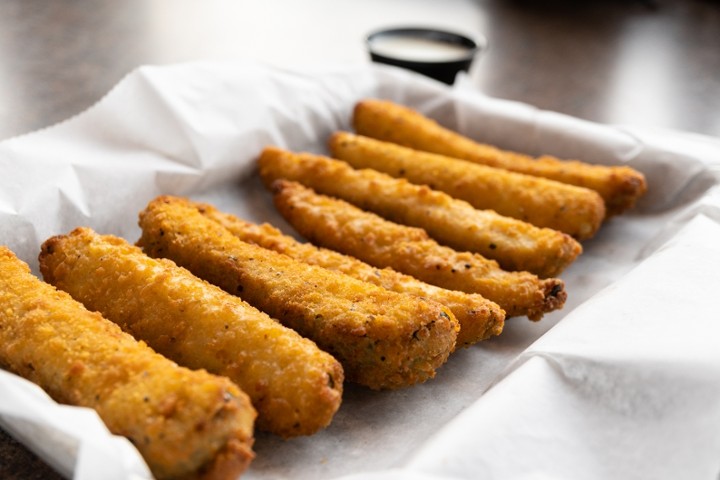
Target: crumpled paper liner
<point>624,382</point>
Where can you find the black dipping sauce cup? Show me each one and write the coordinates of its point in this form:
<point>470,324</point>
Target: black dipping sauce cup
<point>438,54</point>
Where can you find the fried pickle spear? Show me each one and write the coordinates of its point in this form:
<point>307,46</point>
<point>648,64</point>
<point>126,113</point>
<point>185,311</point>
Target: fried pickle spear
<point>338,225</point>
<point>619,186</point>
<point>479,318</point>
<point>295,386</point>
<point>514,244</point>
<point>577,211</point>
<point>383,339</point>
<point>185,423</point>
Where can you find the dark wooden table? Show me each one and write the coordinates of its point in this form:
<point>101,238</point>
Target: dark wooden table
<point>650,63</point>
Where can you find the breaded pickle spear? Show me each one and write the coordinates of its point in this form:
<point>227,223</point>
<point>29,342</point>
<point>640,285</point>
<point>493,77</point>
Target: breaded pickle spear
<point>295,386</point>
<point>619,186</point>
<point>577,211</point>
<point>514,244</point>
<point>479,318</point>
<point>336,224</point>
<point>383,339</point>
<point>185,423</point>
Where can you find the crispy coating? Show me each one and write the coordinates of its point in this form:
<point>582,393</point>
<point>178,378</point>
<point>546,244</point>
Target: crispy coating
<point>479,318</point>
<point>514,244</point>
<point>295,386</point>
<point>574,210</point>
<point>383,339</point>
<point>338,225</point>
<point>185,423</point>
<point>619,186</point>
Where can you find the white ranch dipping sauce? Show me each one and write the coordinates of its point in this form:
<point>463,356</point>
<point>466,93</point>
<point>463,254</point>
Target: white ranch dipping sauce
<point>418,49</point>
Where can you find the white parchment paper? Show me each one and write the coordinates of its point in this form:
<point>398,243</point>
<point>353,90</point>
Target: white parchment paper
<point>622,383</point>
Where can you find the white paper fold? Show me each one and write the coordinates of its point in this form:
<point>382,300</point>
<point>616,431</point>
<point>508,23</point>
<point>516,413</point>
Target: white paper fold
<point>627,384</point>
<point>72,440</point>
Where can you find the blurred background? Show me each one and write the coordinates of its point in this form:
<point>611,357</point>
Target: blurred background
<point>654,63</point>
<point>649,63</point>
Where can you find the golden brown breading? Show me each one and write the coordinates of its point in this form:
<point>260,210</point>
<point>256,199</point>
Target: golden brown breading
<point>514,244</point>
<point>295,386</point>
<point>619,186</point>
<point>336,224</point>
<point>185,423</point>
<point>577,211</point>
<point>479,318</point>
<point>383,339</point>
